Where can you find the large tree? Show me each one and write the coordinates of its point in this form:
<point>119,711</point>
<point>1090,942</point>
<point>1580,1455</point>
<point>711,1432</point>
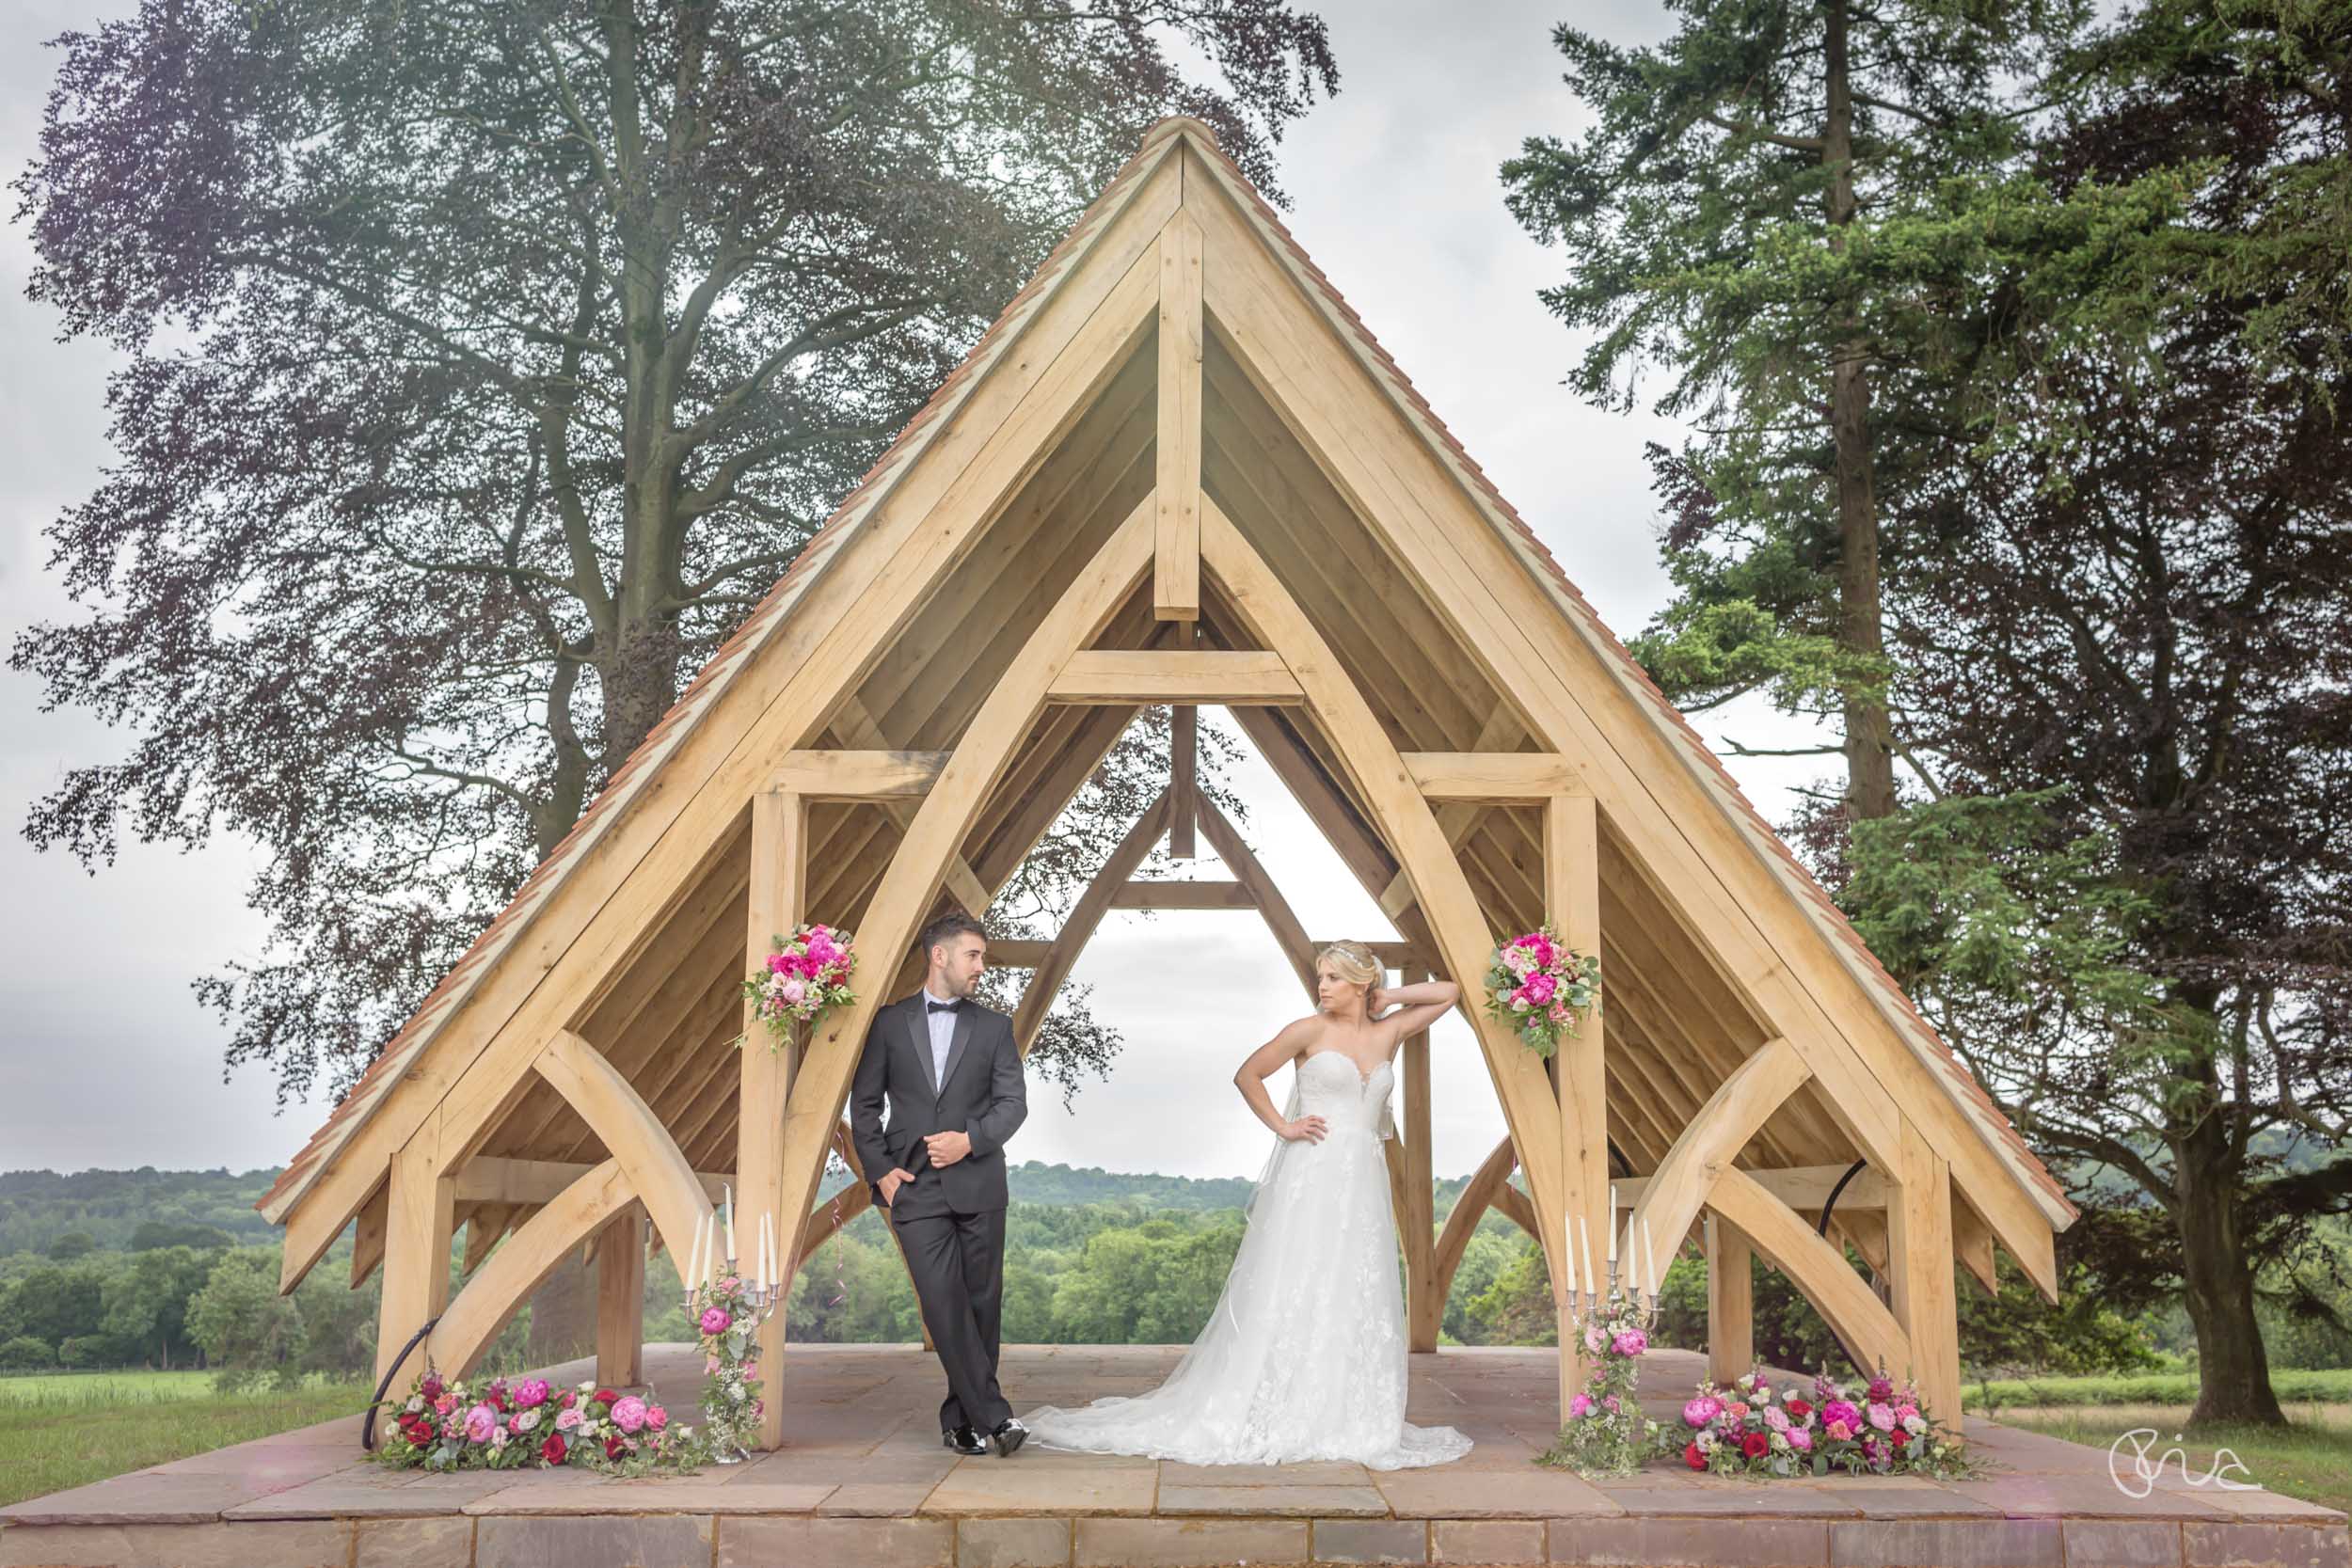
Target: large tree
<point>486,361</point>
<point>2131,911</point>
<point>1776,205</point>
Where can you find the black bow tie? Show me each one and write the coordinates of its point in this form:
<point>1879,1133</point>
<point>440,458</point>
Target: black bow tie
<point>942,1007</point>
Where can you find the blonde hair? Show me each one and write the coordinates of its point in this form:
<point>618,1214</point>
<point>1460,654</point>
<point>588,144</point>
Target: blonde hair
<point>1354,963</point>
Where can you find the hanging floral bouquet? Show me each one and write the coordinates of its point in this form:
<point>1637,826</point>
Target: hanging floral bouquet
<point>805,975</point>
<point>728,1323</point>
<point>1754,1428</point>
<point>526,1424</point>
<point>1540,987</point>
<point>1605,1433</point>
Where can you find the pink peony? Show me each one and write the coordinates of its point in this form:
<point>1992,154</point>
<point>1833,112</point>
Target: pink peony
<point>1801,1439</point>
<point>1881,1417</point>
<point>1615,1408</point>
<point>480,1423</point>
<point>715,1321</point>
<point>629,1413</point>
<point>1630,1342</point>
<point>1595,1339</point>
<point>793,991</point>
<point>566,1419</point>
<point>781,963</point>
<point>1539,989</point>
<point>1777,1419</point>
<point>656,1418</point>
<point>1905,1411</point>
<point>751,1371</point>
<point>1580,1407</point>
<point>444,1405</point>
<point>1844,1414</point>
<point>1702,1410</point>
<point>1838,1430</point>
<point>531,1391</point>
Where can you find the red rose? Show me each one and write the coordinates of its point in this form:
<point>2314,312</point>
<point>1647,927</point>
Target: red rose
<point>607,1396</point>
<point>1800,1409</point>
<point>496,1400</point>
<point>1755,1444</point>
<point>568,1397</point>
<point>613,1447</point>
<point>1900,1436</point>
<point>554,1450</point>
<point>1694,1459</point>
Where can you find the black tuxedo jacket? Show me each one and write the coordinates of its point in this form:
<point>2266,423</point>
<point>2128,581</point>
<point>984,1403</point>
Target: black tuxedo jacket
<point>981,1093</point>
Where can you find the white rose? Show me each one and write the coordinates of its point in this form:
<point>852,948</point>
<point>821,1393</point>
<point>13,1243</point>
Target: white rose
<point>527,1419</point>
<point>497,1437</point>
<point>1915,1425</point>
<point>416,1402</point>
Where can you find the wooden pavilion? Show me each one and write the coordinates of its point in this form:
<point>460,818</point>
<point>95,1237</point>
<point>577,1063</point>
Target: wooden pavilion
<point>1177,470</point>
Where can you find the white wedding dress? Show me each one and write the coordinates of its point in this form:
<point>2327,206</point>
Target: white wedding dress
<point>1304,1356</point>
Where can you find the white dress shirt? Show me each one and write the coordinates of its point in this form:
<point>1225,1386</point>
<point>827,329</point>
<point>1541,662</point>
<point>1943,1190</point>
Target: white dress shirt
<point>943,1027</point>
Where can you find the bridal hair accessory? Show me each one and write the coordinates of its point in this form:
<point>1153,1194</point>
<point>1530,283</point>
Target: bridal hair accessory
<point>1541,987</point>
<point>804,975</point>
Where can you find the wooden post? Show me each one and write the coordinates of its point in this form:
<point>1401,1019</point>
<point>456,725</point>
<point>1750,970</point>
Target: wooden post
<point>1572,902</point>
<point>621,1300</point>
<point>1176,531</point>
<point>417,1224</point>
<point>1730,1302</point>
<point>1423,1304</point>
<point>1919,1249</point>
<point>1183,746</point>
<point>779,892</point>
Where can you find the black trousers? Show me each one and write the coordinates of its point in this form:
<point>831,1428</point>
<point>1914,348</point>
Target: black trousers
<point>958,1261</point>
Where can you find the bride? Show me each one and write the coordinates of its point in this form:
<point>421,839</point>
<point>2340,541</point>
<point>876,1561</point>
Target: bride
<point>1304,1355</point>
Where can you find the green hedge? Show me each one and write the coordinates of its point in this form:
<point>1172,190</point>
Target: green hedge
<point>2293,1388</point>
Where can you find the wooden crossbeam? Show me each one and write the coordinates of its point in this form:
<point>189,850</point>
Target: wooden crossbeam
<point>1176,531</point>
<point>855,724</point>
<point>1162,894</point>
<point>1162,675</point>
<point>1801,1187</point>
<point>488,1178</point>
<point>864,775</point>
<point>1844,1299</point>
<point>508,1276</point>
<point>1083,916</point>
<point>1456,819</point>
<point>1016,951</point>
<point>1491,778</point>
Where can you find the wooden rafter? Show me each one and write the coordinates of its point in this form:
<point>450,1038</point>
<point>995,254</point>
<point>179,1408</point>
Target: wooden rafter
<point>631,1134</point>
<point>854,723</point>
<point>1176,532</point>
<point>1672,1198</point>
<point>1149,675</point>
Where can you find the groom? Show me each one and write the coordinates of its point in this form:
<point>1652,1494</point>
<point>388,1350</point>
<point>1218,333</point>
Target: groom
<point>950,1073</point>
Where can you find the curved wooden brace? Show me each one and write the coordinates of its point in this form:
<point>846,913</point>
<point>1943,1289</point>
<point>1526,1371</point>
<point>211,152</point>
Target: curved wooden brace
<point>632,1135</point>
<point>1061,957</point>
<point>1459,927</point>
<point>1844,1299</point>
<point>1672,1197</point>
<point>510,1272</point>
<point>904,894</point>
<point>1487,1184</point>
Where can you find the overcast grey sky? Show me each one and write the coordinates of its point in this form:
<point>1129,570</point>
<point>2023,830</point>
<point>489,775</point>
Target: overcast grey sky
<point>105,1060</point>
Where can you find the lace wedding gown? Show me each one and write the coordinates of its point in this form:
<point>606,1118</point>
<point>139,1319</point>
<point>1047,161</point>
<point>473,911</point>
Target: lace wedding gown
<point>1304,1356</point>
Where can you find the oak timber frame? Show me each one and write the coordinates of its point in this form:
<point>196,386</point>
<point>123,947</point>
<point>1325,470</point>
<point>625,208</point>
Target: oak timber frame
<point>1176,603</point>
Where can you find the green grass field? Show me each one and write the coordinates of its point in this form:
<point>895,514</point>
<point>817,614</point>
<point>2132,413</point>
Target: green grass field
<point>2311,1459</point>
<point>71,1429</point>
<point>2332,1387</point>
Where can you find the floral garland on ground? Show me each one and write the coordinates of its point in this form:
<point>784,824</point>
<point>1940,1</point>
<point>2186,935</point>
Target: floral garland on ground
<point>806,973</point>
<point>731,1401</point>
<point>1753,1428</point>
<point>526,1424</point>
<point>1605,1433</point>
<point>1541,987</point>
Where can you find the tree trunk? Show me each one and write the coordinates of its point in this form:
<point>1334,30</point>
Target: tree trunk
<point>1869,749</point>
<point>2218,1283</point>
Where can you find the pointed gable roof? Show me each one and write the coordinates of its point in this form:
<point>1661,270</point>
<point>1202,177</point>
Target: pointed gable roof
<point>1804,896</point>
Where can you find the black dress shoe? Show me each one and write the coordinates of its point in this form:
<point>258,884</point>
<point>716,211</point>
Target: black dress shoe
<point>1009,1436</point>
<point>963,1439</point>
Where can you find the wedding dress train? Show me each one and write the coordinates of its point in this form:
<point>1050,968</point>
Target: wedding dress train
<point>1304,1358</point>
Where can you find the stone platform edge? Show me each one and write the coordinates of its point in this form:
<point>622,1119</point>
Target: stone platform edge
<point>725,1540</point>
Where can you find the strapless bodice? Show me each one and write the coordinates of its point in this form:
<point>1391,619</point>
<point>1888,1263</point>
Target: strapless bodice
<point>1330,1086</point>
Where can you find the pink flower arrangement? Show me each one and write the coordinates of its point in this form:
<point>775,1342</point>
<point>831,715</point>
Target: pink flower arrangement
<point>716,1321</point>
<point>496,1426</point>
<point>1606,1432</point>
<point>806,973</point>
<point>1755,1429</point>
<point>1541,987</point>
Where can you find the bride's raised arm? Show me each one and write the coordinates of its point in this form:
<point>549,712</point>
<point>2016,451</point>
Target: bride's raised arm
<point>1264,1063</point>
<point>1417,1007</point>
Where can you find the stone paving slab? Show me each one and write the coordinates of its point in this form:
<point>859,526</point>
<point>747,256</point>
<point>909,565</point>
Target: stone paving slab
<point>862,1480</point>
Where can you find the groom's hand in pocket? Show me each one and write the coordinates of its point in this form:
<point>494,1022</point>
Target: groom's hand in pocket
<point>892,1181</point>
<point>947,1147</point>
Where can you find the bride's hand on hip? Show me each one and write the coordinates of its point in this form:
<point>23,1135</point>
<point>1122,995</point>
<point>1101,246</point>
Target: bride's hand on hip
<point>1306,1129</point>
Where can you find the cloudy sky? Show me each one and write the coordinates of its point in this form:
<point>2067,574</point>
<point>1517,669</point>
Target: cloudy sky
<point>105,1060</point>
